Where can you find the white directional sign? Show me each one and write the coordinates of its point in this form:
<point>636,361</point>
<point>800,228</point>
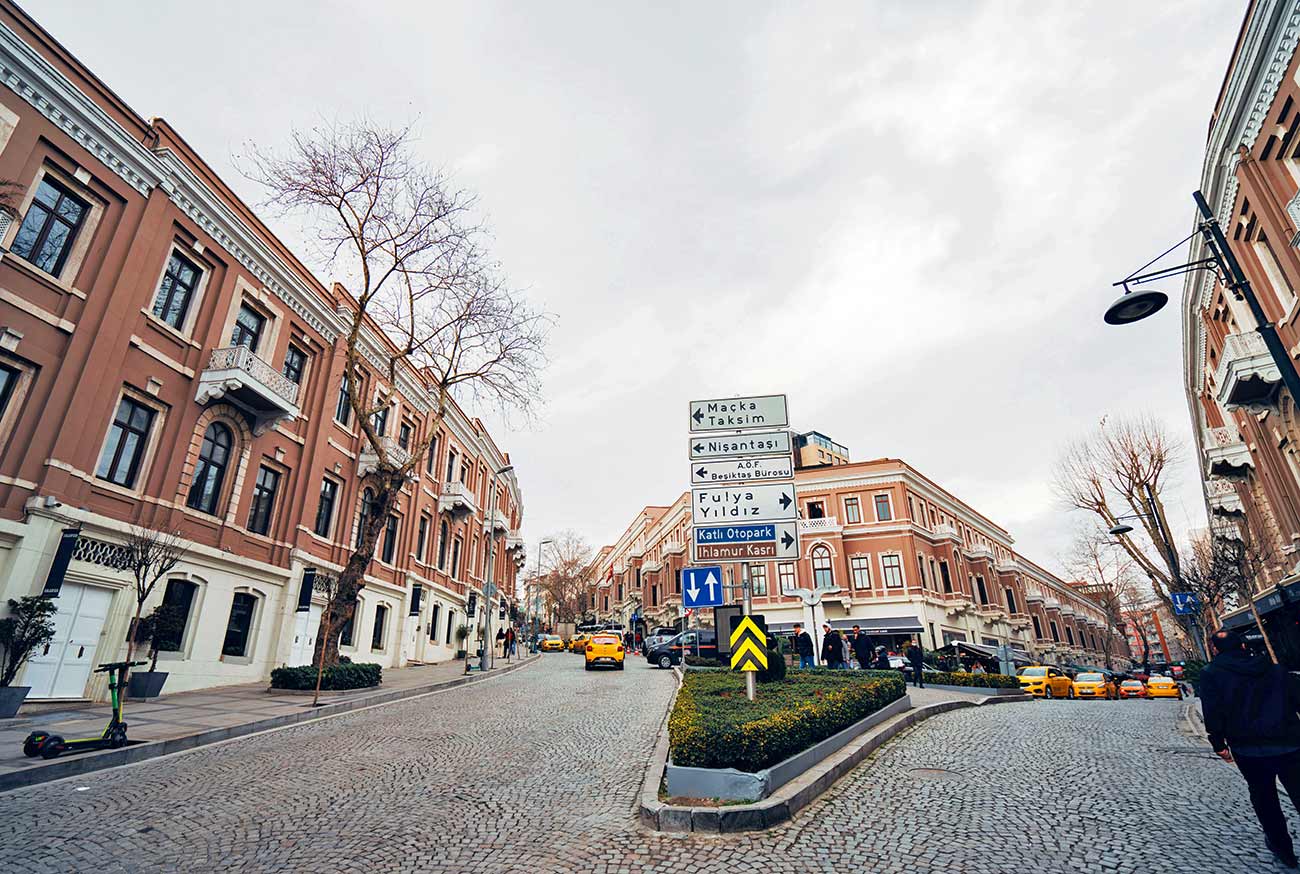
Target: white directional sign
<point>745,542</point>
<point>735,414</point>
<point>737,445</point>
<point>742,470</point>
<point>767,502</point>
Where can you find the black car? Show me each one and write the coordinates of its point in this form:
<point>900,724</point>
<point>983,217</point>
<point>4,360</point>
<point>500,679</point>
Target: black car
<point>702,642</point>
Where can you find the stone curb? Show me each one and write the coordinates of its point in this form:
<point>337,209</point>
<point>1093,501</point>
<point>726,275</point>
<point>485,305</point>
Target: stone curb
<point>989,691</point>
<point>794,795</point>
<point>85,763</point>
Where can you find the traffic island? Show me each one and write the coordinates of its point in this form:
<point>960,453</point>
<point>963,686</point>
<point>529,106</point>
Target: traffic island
<point>772,794</point>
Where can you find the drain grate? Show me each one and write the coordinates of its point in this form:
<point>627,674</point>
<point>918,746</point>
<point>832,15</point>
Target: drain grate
<point>942,774</point>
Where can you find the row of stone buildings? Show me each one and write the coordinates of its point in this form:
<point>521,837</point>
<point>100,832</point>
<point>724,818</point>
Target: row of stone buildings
<point>166,362</point>
<point>891,550</point>
<point>1244,422</point>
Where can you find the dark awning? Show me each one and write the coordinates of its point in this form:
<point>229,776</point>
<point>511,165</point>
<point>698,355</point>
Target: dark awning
<point>1019,656</point>
<point>889,625</point>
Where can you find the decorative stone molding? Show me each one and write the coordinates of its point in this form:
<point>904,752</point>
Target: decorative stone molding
<point>1223,498</point>
<point>456,499</point>
<point>1247,376</point>
<point>368,459</point>
<point>825,525</point>
<point>1226,455</point>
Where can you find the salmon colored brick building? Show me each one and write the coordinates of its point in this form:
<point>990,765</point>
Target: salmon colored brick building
<point>891,550</point>
<point>166,362</point>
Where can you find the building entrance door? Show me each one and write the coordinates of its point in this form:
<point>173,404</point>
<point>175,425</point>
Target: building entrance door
<point>62,669</point>
<point>306,627</point>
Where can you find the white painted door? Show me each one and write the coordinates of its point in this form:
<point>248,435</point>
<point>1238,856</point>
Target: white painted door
<point>306,627</point>
<point>62,669</point>
<point>410,631</point>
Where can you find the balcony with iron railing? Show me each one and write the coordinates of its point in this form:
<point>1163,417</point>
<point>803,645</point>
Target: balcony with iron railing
<point>457,499</point>
<point>498,522</point>
<point>943,530</point>
<point>824,525</point>
<point>1226,455</point>
<point>979,552</point>
<point>1247,376</point>
<point>368,457</point>
<point>1007,566</point>
<point>673,547</point>
<point>236,375</point>
<point>1223,498</point>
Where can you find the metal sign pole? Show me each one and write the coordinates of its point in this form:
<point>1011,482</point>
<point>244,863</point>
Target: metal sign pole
<point>751,683</point>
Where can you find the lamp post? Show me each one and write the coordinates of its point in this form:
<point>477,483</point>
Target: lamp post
<point>537,581</point>
<point>489,595</point>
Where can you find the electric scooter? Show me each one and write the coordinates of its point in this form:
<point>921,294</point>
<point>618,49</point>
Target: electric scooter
<point>47,746</point>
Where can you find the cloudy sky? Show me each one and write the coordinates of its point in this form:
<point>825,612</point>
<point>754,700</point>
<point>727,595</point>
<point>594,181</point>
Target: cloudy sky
<point>905,216</point>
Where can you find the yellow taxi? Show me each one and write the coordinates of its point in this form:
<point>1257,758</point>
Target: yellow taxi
<point>551,643</point>
<point>1093,685</point>
<point>1132,689</point>
<point>604,649</point>
<point>1163,687</point>
<point>578,643</point>
<point>1045,681</point>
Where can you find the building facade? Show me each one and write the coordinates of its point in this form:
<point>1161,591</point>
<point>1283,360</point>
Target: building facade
<point>167,364</point>
<point>1147,634</point>
<point>890,550</point>
<point>1244,424</point>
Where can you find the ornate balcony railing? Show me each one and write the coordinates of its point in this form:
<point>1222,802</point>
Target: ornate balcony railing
<point>825,525</point>
<point>457,499</point>
<point>945,530</point>
<point>673,547</point>
<point>1247,376</point>
<point>368,458</point>
<point>236,375</point>
<point>1226,455</point>
<point>1223,498</point>
<point>979,551</point>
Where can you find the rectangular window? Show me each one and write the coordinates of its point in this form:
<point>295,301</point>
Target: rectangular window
<point>178,598</point>
<point>431,460</point>
<point>451,623</point>
<point>239,625</point>
<point>119,463</point>
<point>50,227</point>
<point>379,421</point>
<point>455,558</point>
<point>390,540</point>
<point>259,514</point>
<point>758,579</point>
<point>404,435</point>
<point>1069,636</point>
<point>852,511</point>
<point>1056,634</point>
<point>981,591</point>
<point>433,623</point>
<point>381,620</point>
<point>1038,628</point>
<point>920,568</point>
<point>343,408</point>
<point>451,466</point>
<point>8,382</point>
<point>295,362</point>
<point>172,303</point>
<point>329,493</point>
<point>785,576</point>
<point>860,567</point>
<point>947,579</point>
<point>249,324</point>
<point>1011,601</point>
<point>883,513</point>
<point>345,634</point>
<point>422,538</point>
<point>816,510</point>
<point>891,570</point>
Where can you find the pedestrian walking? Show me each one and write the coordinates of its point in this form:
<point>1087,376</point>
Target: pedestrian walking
<point>832,647</point>
<point>1250,708</point>
<point>501,641</point>
<point>917,659</point>
<point>803,645</point>
<point>510,641</point>
<point>861,648</point>
<point>846,650</point>
<point>882,659</point>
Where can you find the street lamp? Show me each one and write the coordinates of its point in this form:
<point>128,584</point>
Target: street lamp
<point>489,595</point>
<point>1134,305</point>
<point>535,595</point>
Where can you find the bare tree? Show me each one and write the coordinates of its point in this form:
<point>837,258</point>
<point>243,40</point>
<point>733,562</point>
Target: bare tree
<point>1107,575</point>
<point>327,586</point>
<point>404,240</point>
<point>1239,562</point>
<point>149,555</point>
<point>565,583</point>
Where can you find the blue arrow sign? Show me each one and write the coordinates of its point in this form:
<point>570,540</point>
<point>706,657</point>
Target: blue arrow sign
<point>702,587</point>
<point>1185,603</point>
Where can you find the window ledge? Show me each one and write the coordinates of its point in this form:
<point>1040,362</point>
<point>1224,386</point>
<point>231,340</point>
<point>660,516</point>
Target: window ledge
<point>178,336</point>
<point>36,273</point>
<point>236,660</point>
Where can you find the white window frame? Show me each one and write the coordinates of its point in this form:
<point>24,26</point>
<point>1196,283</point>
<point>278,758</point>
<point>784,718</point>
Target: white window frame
<point>884,574</point>
<point>857,503</point>
<point>862,563</point>
<point>889,500</point>
<point>150,446</point>
<point>185,332</point>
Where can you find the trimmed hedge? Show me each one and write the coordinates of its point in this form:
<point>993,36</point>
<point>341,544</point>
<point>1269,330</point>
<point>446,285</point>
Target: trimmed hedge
<point>981,681</point>
<point>335,677</point>
<point>701,662</point>
<point>713,726</point>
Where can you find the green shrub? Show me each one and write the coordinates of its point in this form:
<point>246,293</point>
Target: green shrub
<point>702,662</point>
<point>341,676</point>
<point>713,725</point>
<point>981,681</point>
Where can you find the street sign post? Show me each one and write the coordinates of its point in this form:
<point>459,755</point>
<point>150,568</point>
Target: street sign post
<point>701,587</point>
<point>766,502</point>
<point>742,470</point>
<point>748,643</point>
<point>740,445</point>
<point>763,540</point>
<point>739,414</point>
<point>1185,603</point>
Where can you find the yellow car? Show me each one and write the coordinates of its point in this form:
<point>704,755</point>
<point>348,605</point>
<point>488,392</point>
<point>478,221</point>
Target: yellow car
<point>1044,681</point>
<point>1163,687</point>
<point>578,643</point>
<point>552,643</point>
<point>604,649</point>
<point>1094,685</point>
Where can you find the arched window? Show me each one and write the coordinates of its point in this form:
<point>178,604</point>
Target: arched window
<point>367,502</point>
<point>239,626</point>
<point>443,535</point>
<point>210,472</point>
<point>823,575</point>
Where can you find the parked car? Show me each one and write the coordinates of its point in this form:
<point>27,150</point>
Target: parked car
<point>578,643</point>
<point>655,640</point>
<point>703,641</point>
<point>1045,681</point>
<point>1093,685</point>
<point>551,643</point>
<point>1132,689</point>
<point>604,649</point>
<point>1163,687</point>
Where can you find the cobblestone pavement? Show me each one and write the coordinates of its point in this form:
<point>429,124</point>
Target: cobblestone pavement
<point>539,771</point>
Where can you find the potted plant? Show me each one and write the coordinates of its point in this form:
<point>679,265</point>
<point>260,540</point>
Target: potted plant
<point>159,628</point>
<point>462,632</point>
<point>28,625</point>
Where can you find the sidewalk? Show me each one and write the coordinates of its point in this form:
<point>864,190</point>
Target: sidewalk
<point>185,720</point>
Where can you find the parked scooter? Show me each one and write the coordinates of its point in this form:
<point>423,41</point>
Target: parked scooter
<point>47,746</point>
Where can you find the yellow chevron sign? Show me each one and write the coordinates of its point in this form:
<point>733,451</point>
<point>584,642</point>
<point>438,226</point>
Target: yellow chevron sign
<point>748,645</point>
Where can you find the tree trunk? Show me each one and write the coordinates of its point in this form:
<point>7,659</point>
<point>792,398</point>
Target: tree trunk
<point>1259,623</point>
<point>130,636</point>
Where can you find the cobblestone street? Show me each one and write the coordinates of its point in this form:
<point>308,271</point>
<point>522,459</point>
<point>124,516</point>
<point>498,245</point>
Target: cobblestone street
<point>539,771</point>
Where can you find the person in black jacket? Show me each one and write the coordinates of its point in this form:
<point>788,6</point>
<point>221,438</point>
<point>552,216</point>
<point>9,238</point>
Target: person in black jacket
<point>803,645</point>
<point>882,659</point>
<point>1250,707</point>
<point>917,660</point>
<point>861,648</point>
<point>832,648</point>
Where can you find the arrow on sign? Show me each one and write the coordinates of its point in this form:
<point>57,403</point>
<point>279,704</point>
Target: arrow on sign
<point>785,500</point>
<point>693,591</point>
<point>748,646</point>
<point>702,473</point>
<point>786,540</point>
<point>698,416</point>
<point>698,447</point>
<point>711,581</point>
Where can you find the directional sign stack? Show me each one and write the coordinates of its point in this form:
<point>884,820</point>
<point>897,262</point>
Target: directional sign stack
<point>742,480</point>
<point>748,643</point>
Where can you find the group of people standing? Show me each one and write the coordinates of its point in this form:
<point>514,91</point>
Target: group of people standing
<point>840,650</point>
<point>506,641</point>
